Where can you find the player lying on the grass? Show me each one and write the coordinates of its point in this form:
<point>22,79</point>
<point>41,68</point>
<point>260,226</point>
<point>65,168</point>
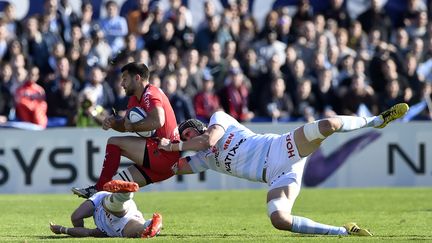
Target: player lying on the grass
<point>150,164</point>
<point>115,214</point>
<point>229,147</point>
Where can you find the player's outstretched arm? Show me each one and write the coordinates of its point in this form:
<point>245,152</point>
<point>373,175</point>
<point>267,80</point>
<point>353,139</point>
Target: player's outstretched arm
<point>76,231</point>
<point>208,139</point>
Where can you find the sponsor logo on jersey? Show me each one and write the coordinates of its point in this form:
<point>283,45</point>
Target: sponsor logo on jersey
<point>214,149</point>
<point>215,153</point>
<point>290,146</point>
<point>147,99</point>
<point>228,141</point>
<point>231,153</point>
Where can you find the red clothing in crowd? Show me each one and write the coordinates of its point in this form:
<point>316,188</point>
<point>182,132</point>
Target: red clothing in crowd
<point>205,104</point>
<point>237,101</point>
<point>30,104</point>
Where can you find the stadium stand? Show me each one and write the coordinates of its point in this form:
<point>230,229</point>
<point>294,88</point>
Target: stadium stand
<point>331,60</point>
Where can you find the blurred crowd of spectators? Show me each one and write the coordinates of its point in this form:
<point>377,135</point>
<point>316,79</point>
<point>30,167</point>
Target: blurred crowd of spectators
<point>61,68</point>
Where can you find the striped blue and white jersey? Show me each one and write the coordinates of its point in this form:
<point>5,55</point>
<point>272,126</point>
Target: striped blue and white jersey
<point>239,152</point>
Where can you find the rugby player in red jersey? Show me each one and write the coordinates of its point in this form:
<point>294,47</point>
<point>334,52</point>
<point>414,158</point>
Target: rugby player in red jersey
<point>151,165</point>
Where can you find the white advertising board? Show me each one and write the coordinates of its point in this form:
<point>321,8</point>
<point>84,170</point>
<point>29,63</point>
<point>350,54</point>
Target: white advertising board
<point>54,160</point>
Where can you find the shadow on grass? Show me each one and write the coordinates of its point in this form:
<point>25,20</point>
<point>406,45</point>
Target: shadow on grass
<point>53,237</point>
<point>245,236</point>
<point>224,235</point>
<point>406,237</point>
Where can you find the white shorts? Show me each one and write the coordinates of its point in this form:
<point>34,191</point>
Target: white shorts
<point>284,161</point>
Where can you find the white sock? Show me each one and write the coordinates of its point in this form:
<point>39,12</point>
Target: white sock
<point>118,202</point>
<point>122,197</point>
<point>351,123</point>
<point>306,226</point>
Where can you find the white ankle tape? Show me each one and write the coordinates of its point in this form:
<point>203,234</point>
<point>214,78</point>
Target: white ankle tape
<point>311,131</point>
<point>114,205</point>
<point>278,204</point>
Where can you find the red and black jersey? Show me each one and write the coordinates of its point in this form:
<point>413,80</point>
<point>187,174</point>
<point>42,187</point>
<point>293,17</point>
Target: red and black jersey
<point>152,97</point>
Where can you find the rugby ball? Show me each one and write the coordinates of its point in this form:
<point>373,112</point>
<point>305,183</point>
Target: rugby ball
<point>137,114</point>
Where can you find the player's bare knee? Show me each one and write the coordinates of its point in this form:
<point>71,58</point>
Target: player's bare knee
<point>328,126</point>
<point>281,220</point>
<point>279,212</point>
<point>113,140</point>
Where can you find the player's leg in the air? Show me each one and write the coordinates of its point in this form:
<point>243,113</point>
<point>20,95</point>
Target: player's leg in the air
<point>309,137</point>
<point>283,193</point>
<point>130,147</point>
<point>132,174</point>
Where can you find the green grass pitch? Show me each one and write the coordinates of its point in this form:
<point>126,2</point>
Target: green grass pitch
<point>392,214</point>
